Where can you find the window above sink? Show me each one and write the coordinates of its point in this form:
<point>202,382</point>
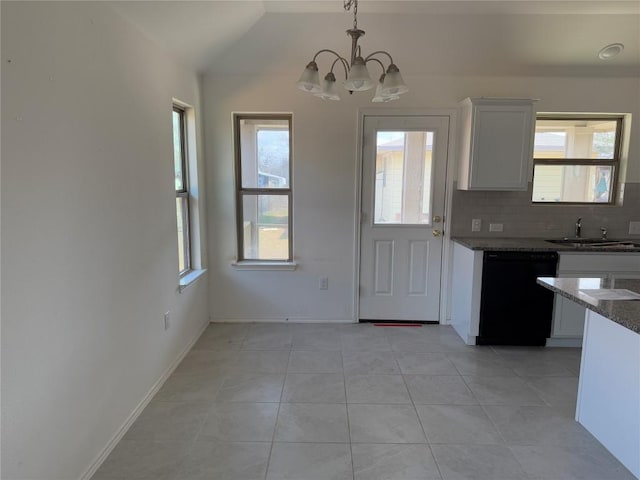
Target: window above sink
<point>577,158</point>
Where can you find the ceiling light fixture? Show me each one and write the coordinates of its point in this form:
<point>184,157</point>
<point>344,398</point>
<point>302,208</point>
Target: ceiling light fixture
<point>389,87</point>
<point>610,51</point>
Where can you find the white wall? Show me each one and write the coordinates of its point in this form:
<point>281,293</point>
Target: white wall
<point>324,138</point>
<point>89,245</point>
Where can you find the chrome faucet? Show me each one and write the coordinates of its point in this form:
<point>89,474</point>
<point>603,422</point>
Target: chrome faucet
<point>604,232</point>
<point>578,227</point>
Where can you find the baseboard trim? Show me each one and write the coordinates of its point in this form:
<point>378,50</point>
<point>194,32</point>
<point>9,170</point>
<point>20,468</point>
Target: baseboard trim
<point>400,322</point>
<point>282,320</point>
<point>460,330</point>
<point>102,456</point>
<point>564,342</point>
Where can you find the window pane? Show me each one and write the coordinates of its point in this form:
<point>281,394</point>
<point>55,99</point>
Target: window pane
<point>576,138</point>
<point>265,227</point>
<point>572,183</point>
<point>403,178</point>
<point>264,146</point>
<point>177,150</point>
<point>182,211</point>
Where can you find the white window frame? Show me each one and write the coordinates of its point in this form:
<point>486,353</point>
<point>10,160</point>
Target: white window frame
<point>615,163</point>
<point>183,194</point>
<point>253,263</point>
<point>195,264</point>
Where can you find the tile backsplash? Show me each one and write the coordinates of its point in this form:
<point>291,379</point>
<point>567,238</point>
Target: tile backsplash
<point>520,218</point>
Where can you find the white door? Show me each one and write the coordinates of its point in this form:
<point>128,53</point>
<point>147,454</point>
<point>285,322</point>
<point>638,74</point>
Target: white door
<point>404,163</point>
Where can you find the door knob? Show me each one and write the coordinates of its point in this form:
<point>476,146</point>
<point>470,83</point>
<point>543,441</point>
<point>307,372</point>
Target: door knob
<point>437,233</point>
<point>437,219</point>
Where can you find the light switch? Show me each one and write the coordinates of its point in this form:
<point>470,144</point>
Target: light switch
<point>634,228</point>
<point>476,225</point>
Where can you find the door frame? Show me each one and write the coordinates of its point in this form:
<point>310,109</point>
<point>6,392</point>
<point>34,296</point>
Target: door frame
<point>447,250</point>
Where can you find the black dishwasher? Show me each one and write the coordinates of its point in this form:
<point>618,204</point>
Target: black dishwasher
<point>514,309</point>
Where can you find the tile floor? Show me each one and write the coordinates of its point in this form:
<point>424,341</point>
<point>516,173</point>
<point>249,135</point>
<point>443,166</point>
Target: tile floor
<point>358,402</point>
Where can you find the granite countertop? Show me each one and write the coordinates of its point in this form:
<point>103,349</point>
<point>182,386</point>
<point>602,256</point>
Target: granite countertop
<point>537,244</point>
<point>623,312</point>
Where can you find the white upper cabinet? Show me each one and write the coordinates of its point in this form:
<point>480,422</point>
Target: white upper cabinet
<point>496,144</point>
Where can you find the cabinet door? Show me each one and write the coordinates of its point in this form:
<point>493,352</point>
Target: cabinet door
<point>501,147</point>
<point>568,318</point>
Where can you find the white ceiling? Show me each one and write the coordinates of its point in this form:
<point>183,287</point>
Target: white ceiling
<point>474,37</point>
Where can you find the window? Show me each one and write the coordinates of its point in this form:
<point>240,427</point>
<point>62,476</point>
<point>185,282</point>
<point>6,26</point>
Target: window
<point>403,183</point>
<point>182,190</point>
<point>576,158</point>
<point>263,187</point>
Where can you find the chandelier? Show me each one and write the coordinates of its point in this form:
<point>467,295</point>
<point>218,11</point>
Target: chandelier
<point>357,79</point>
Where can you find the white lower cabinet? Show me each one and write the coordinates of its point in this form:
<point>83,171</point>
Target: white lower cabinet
<point>568,317</point>
<point>465,294</point>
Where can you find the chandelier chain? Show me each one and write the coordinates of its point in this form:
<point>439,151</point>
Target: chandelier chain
<point>347,6</point>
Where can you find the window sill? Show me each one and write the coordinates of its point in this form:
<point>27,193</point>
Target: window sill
<point>257,265</point>
<point>190,278</point>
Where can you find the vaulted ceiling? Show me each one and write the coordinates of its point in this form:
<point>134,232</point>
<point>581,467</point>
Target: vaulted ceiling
<point>478,37</point>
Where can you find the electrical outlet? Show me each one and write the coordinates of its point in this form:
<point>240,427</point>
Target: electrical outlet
<point>324,283</point>
<point>476,225</point>
<point>634,228</point>
<point>495,227</point>
<point>167,320</point>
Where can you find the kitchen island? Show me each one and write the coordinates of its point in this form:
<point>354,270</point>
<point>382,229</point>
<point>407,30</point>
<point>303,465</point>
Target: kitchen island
<point>609,384</point>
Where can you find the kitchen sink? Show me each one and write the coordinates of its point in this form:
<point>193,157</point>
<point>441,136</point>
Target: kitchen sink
<point>593,242</point>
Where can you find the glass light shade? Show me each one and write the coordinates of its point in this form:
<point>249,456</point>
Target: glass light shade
<point>385,99</point>
<point>329,89</point>
<point>358,79</point>
<point>381,97</point>
<point>393,82</point>
<point>310,79</point>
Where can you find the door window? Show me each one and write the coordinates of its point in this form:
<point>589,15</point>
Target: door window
<point>403,178</point>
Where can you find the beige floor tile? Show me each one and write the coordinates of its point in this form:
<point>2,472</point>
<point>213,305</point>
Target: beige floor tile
<point>425,364</point>
<point>502,391</point>
<point>240,422</point>
<point>490,413</point>
<point>372,389</point>
<point>384,424</point>
<point>228,461</point>
<point>251,387</point>
<point>567,462</point>
<point>314,388</point>
<point>310,461</point>
<point>312,422</point>
<point>477,462</point>
<point>397,462</point>
<point>315,362</point>
<point>439,389</point>
<point>457,424</point>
